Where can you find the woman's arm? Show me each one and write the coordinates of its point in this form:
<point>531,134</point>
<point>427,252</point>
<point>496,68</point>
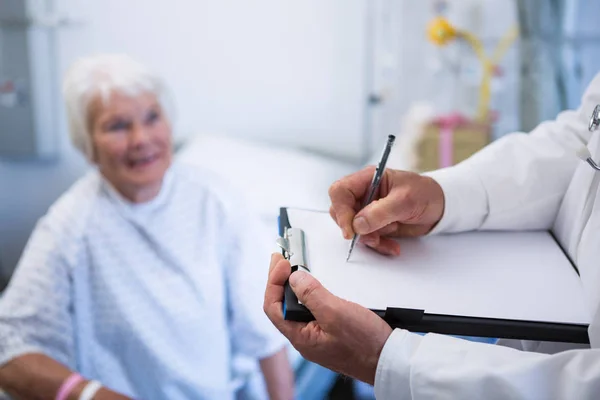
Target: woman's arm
<point>36,330</point>
<point>37,376</point>
<point>278,375</point>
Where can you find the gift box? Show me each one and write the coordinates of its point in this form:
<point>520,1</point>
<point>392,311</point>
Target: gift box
<point>450,139</point>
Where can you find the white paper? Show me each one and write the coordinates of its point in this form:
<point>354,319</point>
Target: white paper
<point>508,275</point>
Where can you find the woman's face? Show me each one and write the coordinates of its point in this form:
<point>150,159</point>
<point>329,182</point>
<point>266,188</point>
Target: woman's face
<point>131,139</point>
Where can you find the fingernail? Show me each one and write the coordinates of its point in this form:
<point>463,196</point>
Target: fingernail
<point>347,234</point>
<point>297,277</point>
<point>369,242</point>
<point>361,225</point>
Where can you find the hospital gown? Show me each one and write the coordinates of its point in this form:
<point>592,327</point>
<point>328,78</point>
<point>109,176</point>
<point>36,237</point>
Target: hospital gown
<point>154,300</point>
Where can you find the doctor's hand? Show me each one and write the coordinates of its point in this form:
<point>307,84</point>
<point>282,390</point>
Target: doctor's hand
<point>407,205</point>
<point>345,337</point>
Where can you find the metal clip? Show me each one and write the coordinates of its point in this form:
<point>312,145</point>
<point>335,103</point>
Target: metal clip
<point>294,247</point>
<point>595,119</point>
<point>284,244</point>
<point>583,152</point>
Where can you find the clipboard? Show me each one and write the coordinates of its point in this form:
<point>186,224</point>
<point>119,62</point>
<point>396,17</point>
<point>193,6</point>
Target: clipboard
<point>294,248</point>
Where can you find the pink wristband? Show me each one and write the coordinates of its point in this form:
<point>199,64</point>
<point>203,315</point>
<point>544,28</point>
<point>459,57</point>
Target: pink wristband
<point>68,385</point>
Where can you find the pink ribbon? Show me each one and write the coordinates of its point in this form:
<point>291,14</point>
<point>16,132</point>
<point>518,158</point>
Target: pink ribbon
<point>447,124</point>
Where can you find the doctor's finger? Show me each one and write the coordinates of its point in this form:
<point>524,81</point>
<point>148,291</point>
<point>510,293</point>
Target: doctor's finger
<point>332,214</point>
<point>388,230</point>
<point>295,332</point>
<point>396,207</point>
<point>275,259</point>
<point>273,301</point>
<point>290,329</point>
<point>385,246</point>
<point>322,304</point>
<point>279,273</point>
<point>381,244</point>
<point>346,196</point>
<point>351,188</point>
<point>343,218</point>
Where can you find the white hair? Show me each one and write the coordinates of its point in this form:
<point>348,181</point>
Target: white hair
<point>97,77</point>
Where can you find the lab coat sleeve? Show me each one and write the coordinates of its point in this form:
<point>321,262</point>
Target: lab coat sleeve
<point>518,181</point>
<point>442,367</point>
<point>35,308</point>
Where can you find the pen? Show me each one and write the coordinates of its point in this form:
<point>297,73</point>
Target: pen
<point>374,184</point>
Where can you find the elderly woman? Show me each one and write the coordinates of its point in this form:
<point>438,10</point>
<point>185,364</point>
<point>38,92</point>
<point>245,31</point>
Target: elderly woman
<point>144,279</point>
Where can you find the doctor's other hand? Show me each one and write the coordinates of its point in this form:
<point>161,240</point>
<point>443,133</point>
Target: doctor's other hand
<point>406,205</point>
<point>344,337</point>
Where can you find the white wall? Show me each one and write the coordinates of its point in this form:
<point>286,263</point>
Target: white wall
<point>284,71</point>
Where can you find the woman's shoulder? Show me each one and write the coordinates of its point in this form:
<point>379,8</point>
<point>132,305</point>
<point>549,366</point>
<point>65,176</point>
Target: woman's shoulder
<point>70,213</point>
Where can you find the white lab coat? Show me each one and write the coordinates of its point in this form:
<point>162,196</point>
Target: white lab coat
<point>522,181</point>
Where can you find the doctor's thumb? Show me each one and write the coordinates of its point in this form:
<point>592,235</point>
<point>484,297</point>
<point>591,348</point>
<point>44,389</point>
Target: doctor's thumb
<point>379,214</point>
<point>310,292</point>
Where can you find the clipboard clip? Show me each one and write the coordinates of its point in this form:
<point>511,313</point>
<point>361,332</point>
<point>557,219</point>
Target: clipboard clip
<point>293,245</point>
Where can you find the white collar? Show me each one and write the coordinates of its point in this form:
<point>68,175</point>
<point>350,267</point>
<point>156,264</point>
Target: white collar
<point>140,209</point>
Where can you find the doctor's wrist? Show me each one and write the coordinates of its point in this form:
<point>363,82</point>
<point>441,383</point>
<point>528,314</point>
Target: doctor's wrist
<point>371,361</point>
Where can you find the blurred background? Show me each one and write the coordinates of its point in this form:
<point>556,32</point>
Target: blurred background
<point>284,97</point>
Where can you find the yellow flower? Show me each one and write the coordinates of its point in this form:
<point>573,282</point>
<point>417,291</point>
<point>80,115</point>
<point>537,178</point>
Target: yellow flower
<point>440,31</point>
